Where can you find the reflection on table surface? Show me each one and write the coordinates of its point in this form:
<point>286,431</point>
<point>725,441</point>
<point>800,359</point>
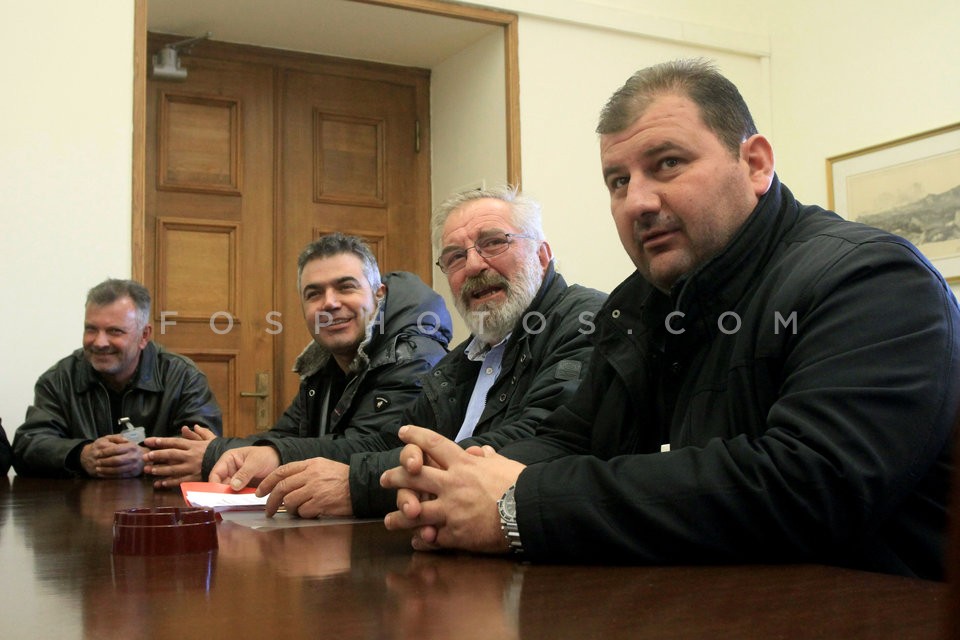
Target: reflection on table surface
<point>360,581</point>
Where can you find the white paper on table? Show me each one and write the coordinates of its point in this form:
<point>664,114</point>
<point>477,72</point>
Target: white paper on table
<point>225,501</point>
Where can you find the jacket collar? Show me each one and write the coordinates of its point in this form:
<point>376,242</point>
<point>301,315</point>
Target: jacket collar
<point>146,377</point>
<point>718,284</point>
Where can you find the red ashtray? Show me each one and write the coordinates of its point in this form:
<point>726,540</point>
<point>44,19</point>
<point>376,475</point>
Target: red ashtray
<point>164,531</point>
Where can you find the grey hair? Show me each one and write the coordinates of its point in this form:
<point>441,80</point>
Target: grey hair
<point>113,289</point>
<point>722,108</point>
<point>333,245</point>
<point>525,211</point>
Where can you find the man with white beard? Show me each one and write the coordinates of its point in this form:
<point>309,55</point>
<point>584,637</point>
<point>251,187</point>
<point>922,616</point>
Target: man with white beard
<point>531,338</point>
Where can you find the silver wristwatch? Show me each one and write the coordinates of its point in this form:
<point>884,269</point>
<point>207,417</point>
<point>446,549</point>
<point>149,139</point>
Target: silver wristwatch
<point>507,506</point>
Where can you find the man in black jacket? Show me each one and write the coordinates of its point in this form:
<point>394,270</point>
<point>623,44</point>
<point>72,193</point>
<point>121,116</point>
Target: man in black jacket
<point>526,355</point>
<point>92,409</point>
<point>6,453</point>
<point>751,397</point>
<point>372,342</point>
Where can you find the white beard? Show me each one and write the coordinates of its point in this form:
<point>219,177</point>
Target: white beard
<point>492,321</point>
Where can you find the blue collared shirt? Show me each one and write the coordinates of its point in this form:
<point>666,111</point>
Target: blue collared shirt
<point>491,357</point>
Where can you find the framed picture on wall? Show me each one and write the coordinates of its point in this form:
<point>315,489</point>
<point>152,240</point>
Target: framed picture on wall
<point>910,187</point>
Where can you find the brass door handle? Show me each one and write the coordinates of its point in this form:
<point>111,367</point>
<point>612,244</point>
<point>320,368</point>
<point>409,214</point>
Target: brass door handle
<point>261,394</point>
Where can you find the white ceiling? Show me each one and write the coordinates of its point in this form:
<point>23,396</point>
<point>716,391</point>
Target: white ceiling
<point>330,27</point>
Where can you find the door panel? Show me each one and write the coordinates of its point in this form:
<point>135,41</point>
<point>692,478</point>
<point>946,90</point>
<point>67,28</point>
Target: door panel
<point>209,225</point>
<point>351,164</point>
<point>256,154</point>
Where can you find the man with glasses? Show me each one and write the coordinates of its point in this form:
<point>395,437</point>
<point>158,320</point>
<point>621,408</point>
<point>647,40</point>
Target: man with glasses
<point>531,338</point>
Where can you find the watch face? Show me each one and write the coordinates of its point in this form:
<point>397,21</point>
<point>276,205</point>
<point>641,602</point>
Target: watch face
<point>508,506</point>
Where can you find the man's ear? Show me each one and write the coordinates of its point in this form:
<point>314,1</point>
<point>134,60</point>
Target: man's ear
<point>146,335</point>
<point>380,292</point>
<point>757,152</point>
<point>545,254</point>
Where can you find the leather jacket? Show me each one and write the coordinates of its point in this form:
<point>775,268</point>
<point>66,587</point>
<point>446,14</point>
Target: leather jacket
<point>71,408</point>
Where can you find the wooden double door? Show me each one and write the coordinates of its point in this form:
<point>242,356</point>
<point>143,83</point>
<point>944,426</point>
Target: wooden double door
<point>255,154</point>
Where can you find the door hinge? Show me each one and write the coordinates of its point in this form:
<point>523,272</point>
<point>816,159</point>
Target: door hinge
<point>416,141</point>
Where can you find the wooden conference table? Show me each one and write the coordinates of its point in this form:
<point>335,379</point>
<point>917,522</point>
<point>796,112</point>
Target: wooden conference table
<point>357,580</point>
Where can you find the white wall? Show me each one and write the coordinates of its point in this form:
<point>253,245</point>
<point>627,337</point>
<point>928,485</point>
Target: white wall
<point>851,74</point>
<point>468,131</point>
<point>573,54</point>
<point>467,94</point>
<point>567,72</point>
<point>65,177</point>
<point>833,77</point>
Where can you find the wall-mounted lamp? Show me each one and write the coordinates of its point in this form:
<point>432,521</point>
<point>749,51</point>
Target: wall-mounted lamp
<point>166,62</point>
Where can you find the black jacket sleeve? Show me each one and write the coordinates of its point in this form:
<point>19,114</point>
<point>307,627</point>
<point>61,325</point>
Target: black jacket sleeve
<point>384,394</point>
<point>44,441</point>
<point>861,420</point>
<point>6,453</point>
<point>547,372</point>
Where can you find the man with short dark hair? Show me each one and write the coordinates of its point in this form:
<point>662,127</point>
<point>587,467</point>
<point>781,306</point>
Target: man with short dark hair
<point>751,397</point>
<point>93,408</point>
<point>373,340</point>
<point>529,342</point>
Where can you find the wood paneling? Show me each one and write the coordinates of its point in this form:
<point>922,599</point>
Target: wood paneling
<point>377,243</point>
<point>256,154</point>
<point>507,21</point>
<point>220,367</point>
<point>350,163</point>
<point>348,160</point>
<point>197,269</point>
<point>210,223</point>
<point>199,144</point>
<point>138,186</point>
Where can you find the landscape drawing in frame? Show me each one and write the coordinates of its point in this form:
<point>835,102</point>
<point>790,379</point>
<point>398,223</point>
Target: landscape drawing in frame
<point>910,187</point>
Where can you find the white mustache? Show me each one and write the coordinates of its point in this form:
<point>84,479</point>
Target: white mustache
<point>481,282</point>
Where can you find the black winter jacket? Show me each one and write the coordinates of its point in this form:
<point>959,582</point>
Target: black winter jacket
<point>71,408</point>
<point>806,387</point>
<point>6,453</point>
<point>541,368</point>
<point>410,334</point>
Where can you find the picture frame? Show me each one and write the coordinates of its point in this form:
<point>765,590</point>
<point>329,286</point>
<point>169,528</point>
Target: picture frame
<point>909,186</point>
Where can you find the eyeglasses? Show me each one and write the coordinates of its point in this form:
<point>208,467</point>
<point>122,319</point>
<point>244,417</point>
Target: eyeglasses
<point>455,259</point>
